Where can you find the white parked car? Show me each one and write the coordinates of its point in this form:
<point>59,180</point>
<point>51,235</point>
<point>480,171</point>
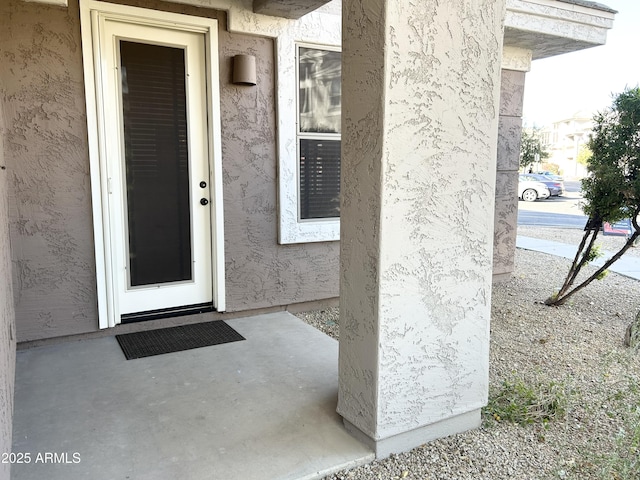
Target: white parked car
<point>530,191</point>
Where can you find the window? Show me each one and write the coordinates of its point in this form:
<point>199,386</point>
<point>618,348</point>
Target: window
<point>309,105</point>
<point>318,133</point>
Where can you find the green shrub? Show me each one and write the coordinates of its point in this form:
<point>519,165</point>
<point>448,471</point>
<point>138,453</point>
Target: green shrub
<point>518,402</point>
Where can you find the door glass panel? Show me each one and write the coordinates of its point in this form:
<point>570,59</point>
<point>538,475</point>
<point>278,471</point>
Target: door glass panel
<point>156,163</point>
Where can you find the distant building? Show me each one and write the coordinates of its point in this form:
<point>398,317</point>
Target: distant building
<point>564,139</point>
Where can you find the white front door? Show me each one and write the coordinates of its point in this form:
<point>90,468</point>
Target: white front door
<point>158,167</point>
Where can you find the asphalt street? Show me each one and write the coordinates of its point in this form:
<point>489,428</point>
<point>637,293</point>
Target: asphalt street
<point>562,211</point>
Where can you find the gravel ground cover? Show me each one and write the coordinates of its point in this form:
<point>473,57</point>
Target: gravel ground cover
<point>568,361</point>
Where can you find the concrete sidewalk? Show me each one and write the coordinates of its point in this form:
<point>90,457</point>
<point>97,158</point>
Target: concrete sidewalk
<point>627,265</point>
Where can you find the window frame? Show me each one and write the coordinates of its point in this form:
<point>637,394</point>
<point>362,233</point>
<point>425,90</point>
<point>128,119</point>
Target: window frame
<point>292,228</point>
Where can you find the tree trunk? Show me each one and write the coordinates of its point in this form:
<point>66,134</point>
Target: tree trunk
<point>560,300</point>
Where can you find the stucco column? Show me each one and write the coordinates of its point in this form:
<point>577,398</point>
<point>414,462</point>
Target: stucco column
<point>508,165</point>
<point>421,84</point>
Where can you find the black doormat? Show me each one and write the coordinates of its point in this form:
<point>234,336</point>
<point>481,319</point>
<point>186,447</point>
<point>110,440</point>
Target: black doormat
<point>176,339</point>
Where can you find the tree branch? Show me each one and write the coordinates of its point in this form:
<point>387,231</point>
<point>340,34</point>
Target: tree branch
<point>561,300</point>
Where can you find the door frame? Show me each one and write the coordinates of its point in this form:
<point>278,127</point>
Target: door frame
<point>93,14</point>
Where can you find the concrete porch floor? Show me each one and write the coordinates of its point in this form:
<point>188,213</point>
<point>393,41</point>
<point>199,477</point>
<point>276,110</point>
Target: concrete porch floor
<point>263,408</point>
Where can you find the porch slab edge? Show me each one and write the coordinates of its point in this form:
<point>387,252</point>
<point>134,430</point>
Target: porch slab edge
<point>406,441</point>
<point>337,468</point>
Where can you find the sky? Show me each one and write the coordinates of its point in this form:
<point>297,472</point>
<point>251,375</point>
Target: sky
<point>557,87</point>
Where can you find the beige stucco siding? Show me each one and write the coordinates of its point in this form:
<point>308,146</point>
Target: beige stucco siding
<point>50,192</point>
<point>7,326</point>
<point>48,170</point>
<point>49,183</point>
<point>259,272</point>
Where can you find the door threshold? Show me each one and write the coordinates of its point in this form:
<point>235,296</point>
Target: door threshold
<point>167,312</point>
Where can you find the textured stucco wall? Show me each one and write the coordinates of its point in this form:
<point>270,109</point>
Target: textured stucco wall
<point>50,206</point>
<point>508,161</point>
<point>259,272</point>
<point>7,325</point>
<point>420,114</point>
<point>48,174</point>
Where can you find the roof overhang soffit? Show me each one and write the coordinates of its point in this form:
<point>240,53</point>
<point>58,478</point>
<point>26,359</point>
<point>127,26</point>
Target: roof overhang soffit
<point>289,9</point>
<point>543,28</point>
<point>60,3</point>
<point>548,27</point>
<point>292,9</point>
